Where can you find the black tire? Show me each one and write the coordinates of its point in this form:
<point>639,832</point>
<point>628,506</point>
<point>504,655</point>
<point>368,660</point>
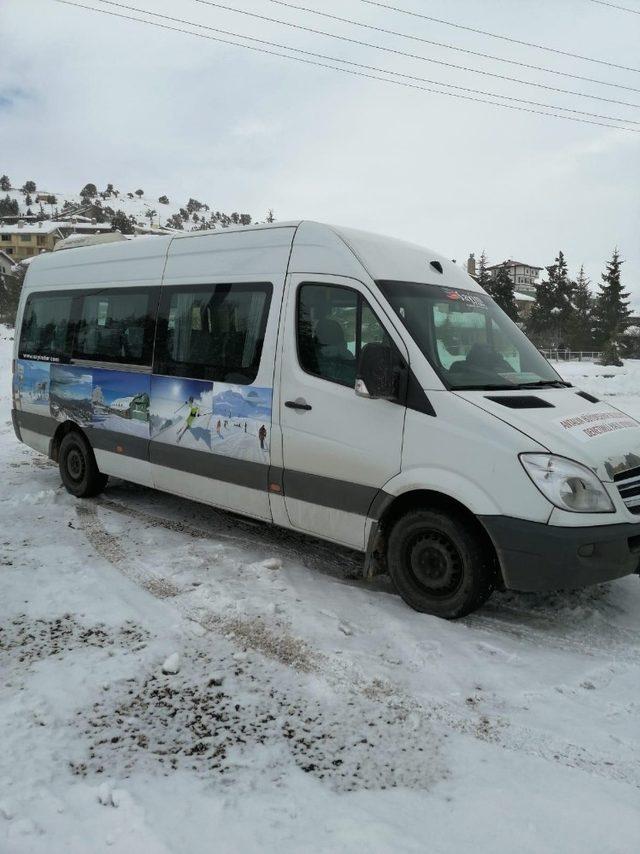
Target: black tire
<point>439,563</point>
<point>78,468</point>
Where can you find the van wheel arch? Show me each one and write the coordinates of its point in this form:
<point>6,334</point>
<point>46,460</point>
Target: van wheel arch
<point>58,436</point>
<point>377,549</point>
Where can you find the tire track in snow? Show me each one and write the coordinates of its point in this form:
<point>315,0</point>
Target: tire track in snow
<point>296,652</point>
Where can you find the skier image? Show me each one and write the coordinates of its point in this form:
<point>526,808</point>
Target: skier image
<point>262,435</point>
<point>219,428</point>
<point>194,412</point>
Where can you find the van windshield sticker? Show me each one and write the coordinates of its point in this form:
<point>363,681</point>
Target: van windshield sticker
<point>589,425</point>
<point>469,299</point>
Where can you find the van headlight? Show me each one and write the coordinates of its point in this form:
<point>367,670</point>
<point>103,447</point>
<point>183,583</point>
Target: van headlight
<point>568,485</point>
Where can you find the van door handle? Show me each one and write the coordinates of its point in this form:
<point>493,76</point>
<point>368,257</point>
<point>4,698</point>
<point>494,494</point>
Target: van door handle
<point>300,403</point>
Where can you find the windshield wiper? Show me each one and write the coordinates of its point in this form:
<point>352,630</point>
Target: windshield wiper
<point>544,384</point>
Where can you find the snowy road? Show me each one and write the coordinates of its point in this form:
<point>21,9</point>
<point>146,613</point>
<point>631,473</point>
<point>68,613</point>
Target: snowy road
<point>311,712</point>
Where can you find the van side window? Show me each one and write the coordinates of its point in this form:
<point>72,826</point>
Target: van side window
<point>213,332</point>
<point>46,326</point>
<point>334,324</point>
<point>117,326</point>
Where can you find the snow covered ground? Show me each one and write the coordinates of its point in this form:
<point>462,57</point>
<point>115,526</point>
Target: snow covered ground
<point>310,711</point>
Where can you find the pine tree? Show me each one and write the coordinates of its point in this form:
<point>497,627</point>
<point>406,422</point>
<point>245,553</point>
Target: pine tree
<point>270,216</point>
<point>5,183</point>
<point>611,313</point>
<point>139,193</point>
<point>89,191</point>
<point>29,187</point>
<point>28,200</point>
<point>483,277</point>
<point>502,291</point>
<point>164,200</point>
<point>122,223</point>
<point>580,327</point>
<point>551,313</point>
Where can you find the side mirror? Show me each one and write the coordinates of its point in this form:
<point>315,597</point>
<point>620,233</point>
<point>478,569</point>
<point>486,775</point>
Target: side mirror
<point>377,375</point>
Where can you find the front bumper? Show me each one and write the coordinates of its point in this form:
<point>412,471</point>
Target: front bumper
<point>534,556</point>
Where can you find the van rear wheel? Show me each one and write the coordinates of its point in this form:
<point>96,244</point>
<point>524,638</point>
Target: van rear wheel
<point>439,563</point>
<point>78,468</point>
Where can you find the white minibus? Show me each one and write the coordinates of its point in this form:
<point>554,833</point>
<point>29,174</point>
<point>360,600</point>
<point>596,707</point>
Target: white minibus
<point>353,387</point>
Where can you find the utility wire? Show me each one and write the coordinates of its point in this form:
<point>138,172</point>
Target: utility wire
<point>453,47</point>
<point>342,70</point>
<point>614,6</point>
<point>363,66</point>
<point>407,54</point>
<point>496,36</point>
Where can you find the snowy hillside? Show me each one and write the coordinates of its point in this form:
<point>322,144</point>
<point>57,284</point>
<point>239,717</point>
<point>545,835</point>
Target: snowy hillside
<point>176,679</point>
<point>144,209</point>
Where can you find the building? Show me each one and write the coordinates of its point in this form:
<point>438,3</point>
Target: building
<point>23,240</point>
<point>524,276</point>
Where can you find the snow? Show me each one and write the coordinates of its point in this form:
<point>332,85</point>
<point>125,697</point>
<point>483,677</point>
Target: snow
<point>311,711</point>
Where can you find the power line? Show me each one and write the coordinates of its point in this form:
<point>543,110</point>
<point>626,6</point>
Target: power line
<point>404,53</point>
<point>615,6</point>
<point>454,47</point>
<point>363,66</point>
<point>502,38</point>
<point>341,70</point>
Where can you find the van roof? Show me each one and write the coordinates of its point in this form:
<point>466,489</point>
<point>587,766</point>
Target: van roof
<point>308,247</point>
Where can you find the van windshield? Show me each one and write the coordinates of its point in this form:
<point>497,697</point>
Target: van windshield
<point>468,339</point>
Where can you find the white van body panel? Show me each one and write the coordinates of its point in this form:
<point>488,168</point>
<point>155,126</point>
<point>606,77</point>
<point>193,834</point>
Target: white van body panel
<point>126,263</point>
<point>552,426</point>
<point>229,255</point>
<point>354,442</point>
<point>463,454</point>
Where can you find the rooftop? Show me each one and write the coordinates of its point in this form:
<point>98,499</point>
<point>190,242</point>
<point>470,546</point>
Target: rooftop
<point>510,263</point>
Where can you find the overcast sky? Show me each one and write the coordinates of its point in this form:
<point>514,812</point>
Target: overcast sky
<point>89,97</point>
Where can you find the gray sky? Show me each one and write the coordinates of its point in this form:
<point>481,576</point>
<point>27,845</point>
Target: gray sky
<point>88,97</point>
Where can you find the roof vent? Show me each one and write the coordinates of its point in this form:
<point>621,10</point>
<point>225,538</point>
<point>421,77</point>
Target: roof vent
<point>521,401</point>
<point>436,266</point>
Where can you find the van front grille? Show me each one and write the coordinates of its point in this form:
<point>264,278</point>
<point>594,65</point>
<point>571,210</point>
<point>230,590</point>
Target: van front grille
<point>628,484</point>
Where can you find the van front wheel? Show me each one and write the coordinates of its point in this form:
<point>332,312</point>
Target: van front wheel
<point>439,564</point>
<point>78,468</point>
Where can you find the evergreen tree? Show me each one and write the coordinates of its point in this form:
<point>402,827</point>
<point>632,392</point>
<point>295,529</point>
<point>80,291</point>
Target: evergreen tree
<point>502,290</point>
<point>483,277</point>
<point>5,183</point>
<point>164,200</point>
<point>580,327</point>
<point>611,312</point>
<point>9,206</point>
<point>28,200</point>
<point>29,187</point>
<point>122,223</point>
<point>550,316</point>
<point>175,221</point>
<point>139,193</point>
<point>89,191</point>
<point>270,216</point>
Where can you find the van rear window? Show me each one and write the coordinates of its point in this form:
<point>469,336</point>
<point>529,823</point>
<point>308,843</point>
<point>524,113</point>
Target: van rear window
<point>46,327</point>
<point>117,326</point>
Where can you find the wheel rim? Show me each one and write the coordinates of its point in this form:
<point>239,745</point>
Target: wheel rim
<point>76,465</point>
<point>435,563</point>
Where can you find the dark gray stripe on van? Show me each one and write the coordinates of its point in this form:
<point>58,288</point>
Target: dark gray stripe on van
<point>118,443</point>
<point>227,469</point>
<point>315,489</point>
<point>329,492</point>
<point>43,424</point>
